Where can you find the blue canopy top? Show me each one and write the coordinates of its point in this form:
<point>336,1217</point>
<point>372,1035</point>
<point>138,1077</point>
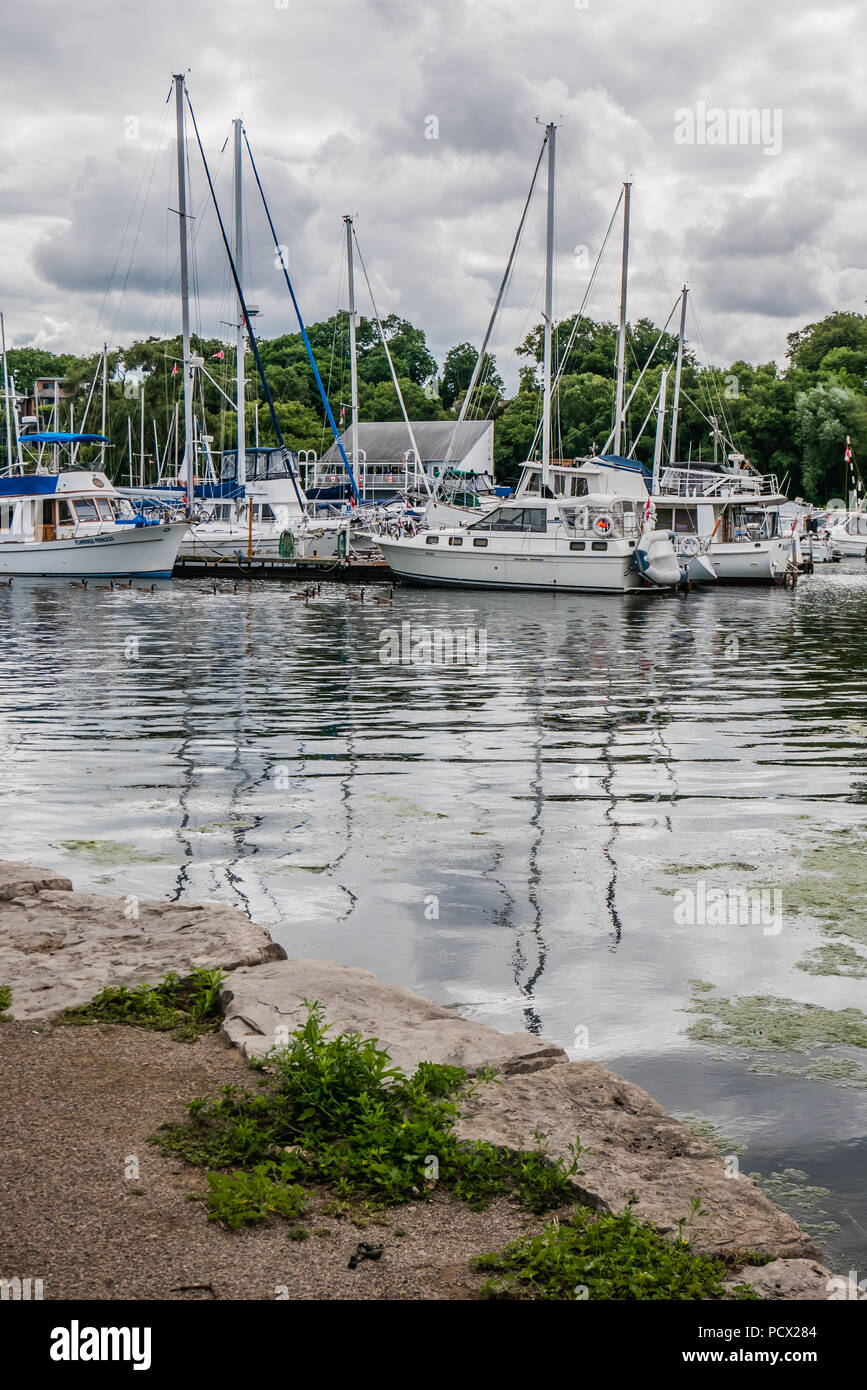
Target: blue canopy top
<point>625,464</point>
<point>64,439</point>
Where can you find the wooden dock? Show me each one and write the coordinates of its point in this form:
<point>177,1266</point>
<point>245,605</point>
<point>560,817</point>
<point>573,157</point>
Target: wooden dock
<point>240,567</point>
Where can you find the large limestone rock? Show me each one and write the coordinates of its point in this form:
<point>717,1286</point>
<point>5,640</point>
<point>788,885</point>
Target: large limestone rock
<point>264,1005</point>
<point>635,1151</point>
<point>59,948</point>
<point>798,1280</point>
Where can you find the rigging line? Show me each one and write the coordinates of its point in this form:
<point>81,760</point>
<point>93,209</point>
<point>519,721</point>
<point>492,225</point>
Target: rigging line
<point>722,409</point>
<point>676,304</point>
<point>145,198</point>
<point>496,309</point>
<point>561,367</point>
<point>324,398</point>
<point>243,303</point>
<point>415,448</point>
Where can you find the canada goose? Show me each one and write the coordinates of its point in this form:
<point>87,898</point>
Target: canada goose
<point>78,584</point>
<point>385,598</point>
<point>109,585</point>
<point>356,597</point>
<point>6,583</point>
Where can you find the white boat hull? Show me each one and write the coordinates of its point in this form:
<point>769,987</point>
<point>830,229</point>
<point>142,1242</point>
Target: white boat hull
<point>614,571</point>
<point>122,552</point>
<point>751,562</point>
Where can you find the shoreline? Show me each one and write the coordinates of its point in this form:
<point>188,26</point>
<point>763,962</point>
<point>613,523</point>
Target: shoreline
<point>59,948</point>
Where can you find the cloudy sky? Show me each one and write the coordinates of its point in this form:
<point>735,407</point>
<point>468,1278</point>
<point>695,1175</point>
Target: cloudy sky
<point>341,99</point>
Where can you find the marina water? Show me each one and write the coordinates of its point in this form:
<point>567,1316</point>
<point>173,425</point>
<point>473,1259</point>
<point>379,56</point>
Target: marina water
<point>613,821</point>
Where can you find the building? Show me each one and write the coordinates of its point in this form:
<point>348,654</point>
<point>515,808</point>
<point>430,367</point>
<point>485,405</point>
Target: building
<point>387,462</point>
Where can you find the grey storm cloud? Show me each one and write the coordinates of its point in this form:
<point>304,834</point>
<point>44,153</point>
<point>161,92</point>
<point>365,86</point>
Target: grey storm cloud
<point>421,121</point>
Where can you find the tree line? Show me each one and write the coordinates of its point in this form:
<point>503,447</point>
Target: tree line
<point>791,419</point>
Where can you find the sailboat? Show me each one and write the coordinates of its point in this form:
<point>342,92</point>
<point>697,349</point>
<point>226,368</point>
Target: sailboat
<point>600,541</point>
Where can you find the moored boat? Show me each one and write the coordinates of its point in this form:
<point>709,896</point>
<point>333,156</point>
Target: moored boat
<point>76,525</point>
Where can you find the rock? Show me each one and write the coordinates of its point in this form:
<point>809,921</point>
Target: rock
<point>59,948</point>
<point>797,1279</point>
<point>262,1006</point>
<point>635,1151</point>
<point>20,880</point>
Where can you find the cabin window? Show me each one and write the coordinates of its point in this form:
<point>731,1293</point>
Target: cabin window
<point>104,508</point>
<point>480,540</point>
<point>85,509</point>
<point>268,512</point>
<point>577,545</point>
<point>5,516</point>
<point>431,540</point>
<point>684,522</point>
<point>456,540</point>
<point>598,545</point>
<point>64,513</point>
<point>578,487</point>
<point>47,512</point>
<point>514,519</point>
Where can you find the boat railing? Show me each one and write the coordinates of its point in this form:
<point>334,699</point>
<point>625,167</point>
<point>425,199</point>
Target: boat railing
<point>704,482</point>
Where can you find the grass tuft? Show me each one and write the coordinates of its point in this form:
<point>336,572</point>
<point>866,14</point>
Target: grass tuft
<point>186,1007</point>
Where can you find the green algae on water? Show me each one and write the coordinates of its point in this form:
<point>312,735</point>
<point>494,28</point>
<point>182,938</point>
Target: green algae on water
<point>765,1023</point>
<point>838,959</point>
<point>791,1190</point>
<point>111,853</point>
<point>705,1128</point>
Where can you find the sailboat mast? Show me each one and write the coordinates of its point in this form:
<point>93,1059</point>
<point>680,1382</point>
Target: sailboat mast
<point>621,331</point>
<point>6,397</point>
<point>189,450</point>
<point>660,431</point>
<point>353,352</point>
<point>237,253</point>
<point>675,404</point>
<point>550,131</point>
<point>104,404</point>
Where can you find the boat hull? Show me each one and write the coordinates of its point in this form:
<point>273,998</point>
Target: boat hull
<point>127,552</point>
<point>570,572</point>
<point>751,562</point>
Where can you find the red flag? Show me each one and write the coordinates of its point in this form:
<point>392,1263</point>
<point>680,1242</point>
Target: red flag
<point>175,369</point>
<point>217,356</point>
<point>342,415</point>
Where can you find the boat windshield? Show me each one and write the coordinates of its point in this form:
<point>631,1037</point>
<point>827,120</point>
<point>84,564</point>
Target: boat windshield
<point>615,518</point>
<point>512,519</point>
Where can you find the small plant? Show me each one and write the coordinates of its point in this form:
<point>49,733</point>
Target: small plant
<point>186,1007</point>
<point>239,1199</point>
<point>5,998</point>
<point>607,1256</point>
<point>335,1111</point>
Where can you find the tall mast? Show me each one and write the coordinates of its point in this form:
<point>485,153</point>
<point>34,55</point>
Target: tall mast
<point>237,254</point>
<point>6,397</point>
<point>189,448</point>
<point>660,430</point>
<point>621,331</point>
<point>353,354</point>
<point>675,404</point>
<point>550,131</point>
<point>104,402</point>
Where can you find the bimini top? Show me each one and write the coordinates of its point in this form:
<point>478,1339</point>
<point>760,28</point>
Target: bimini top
<point>64,439</point>
<point>46,484</point>
<point>621,463</point>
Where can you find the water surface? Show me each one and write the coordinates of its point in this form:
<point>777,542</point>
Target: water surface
<point>507,840</point>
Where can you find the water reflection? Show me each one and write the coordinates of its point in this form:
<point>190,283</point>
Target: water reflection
<point>507,839</point>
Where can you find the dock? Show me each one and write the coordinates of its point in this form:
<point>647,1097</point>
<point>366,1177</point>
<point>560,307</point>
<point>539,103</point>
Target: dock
<point>244,567</point>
